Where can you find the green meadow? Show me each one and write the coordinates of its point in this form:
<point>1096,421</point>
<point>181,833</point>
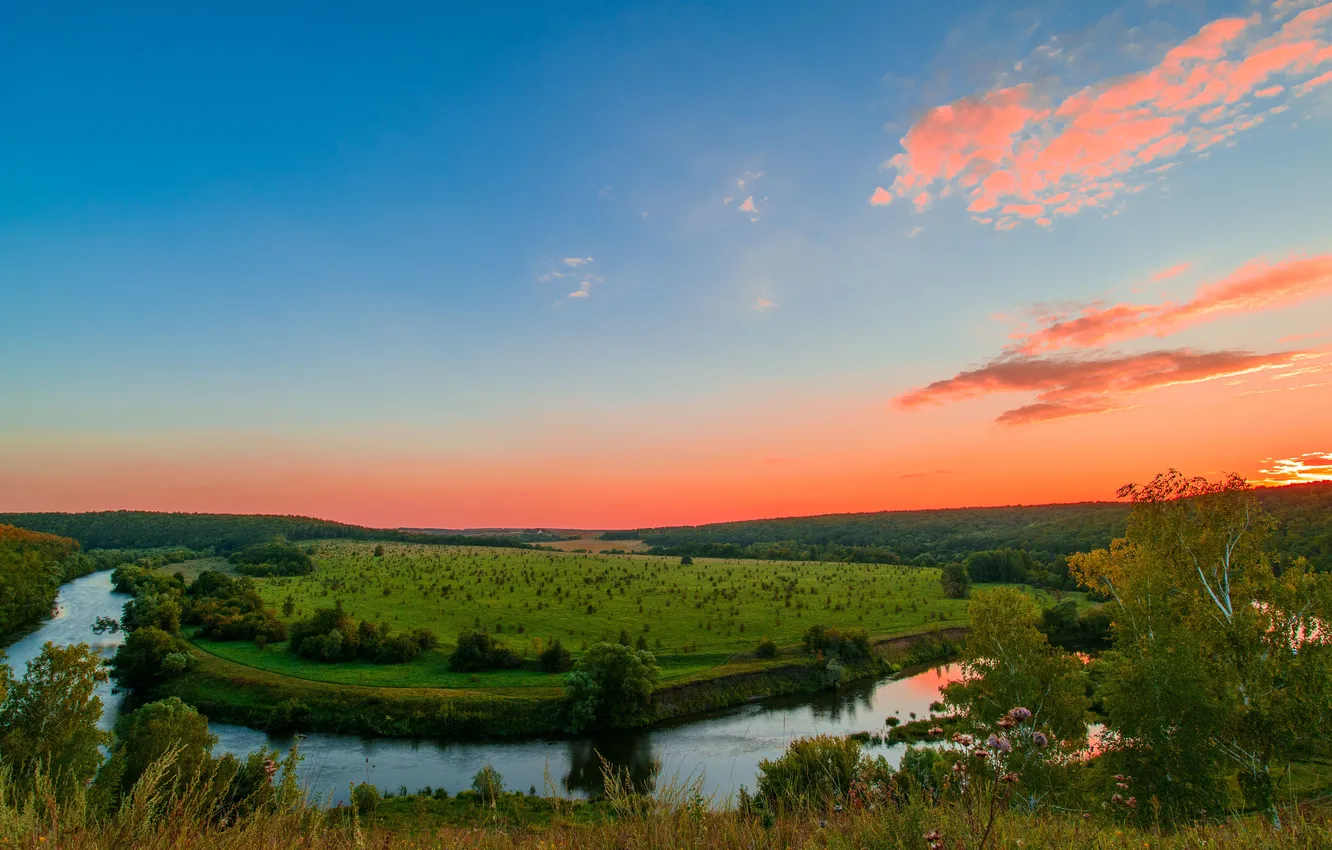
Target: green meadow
<point>693,617</point>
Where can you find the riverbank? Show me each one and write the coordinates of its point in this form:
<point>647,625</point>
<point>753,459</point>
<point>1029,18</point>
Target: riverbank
<point>234,693</point>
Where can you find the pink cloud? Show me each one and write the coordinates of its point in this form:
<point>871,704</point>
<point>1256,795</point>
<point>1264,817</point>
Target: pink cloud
<point>1079,385</point>
<point>748,205</point>
<point>1011,149</point>
<point>1255,287</point>
<point>881,197</point>
<point>1174,271</point>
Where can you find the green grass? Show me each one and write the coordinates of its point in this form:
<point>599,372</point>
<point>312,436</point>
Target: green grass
<point>694,618</point>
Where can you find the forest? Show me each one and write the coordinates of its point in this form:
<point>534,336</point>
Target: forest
<point>1303,513</point>
<point>223,533</point>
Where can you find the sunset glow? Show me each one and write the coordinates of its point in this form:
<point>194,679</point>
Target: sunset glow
<point>626,268</point>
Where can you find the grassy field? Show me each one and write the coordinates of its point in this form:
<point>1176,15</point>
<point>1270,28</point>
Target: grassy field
<point>693,617</point>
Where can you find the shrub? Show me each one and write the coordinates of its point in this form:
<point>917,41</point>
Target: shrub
<point>766,648</point>
<point>555,658</point>
<point>276,558</point>
<point>851,645</point>
<point>365,797</point>
<point>815,772</point>
<point>479,651</point>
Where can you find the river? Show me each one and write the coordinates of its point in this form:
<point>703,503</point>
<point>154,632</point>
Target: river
<point>719,749</point>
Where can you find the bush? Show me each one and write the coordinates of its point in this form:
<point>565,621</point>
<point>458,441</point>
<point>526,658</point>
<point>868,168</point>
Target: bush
<point>851,645</point>
<point>479,651</point>
<point>555,658</point>
<point>365,797</point>
<point>488,784</point>
<point>276,558</point>
<point>766,649</point>
<point>815,772</point>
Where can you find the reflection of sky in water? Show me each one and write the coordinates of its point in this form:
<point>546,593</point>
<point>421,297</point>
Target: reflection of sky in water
<point>78,606</point>
<point>721,748</point>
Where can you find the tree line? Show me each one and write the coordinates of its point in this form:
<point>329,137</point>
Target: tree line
<point>1048,532</point>
<point>223,533</point>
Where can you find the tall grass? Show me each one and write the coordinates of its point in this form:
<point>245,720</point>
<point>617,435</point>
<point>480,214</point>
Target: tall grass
<point>159,814</point>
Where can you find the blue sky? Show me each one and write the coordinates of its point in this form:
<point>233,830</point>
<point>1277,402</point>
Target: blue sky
<point>339,227</point>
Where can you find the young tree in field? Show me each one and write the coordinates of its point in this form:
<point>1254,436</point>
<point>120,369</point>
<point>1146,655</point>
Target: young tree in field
<point>48,721</point>
<point>955,580</point>
<point>1009,662</point>
<point>1219,663</point>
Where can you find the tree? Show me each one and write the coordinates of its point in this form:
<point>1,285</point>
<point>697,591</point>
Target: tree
<point>1008,662</point>
<point>48,721</point>
<point>142,660</point>
<point>611,687</point>
<point>1247,650</point>
<point>955,580</point>
<point>489,784</point>
<point>168,726</point>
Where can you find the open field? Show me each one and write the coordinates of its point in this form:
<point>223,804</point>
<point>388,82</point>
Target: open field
<point>694,618</point>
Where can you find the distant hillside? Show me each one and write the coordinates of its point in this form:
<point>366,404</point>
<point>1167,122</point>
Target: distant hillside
<point>1047,531</point>
<point>221,532</point>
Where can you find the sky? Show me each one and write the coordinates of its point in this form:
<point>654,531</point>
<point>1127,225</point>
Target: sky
<point>607,264</point>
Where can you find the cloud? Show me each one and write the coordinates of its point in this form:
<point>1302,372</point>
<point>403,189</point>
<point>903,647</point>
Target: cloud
<point>747,206</point>
<point>763,305</point>
<point>1013,150</point>
<point>915,231</point>
<point>1255,287</point>
<point>584,276</point>
<point>1310,466</point>
<point>746,179</point>
<point>1080,385</point>
<point>881,197</point>
<point>1174,271</point>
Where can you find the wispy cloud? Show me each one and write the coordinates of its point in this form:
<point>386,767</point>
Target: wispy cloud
<point>1173,271</point>
<point>1079,385</point>
<point>1019,156</point>
<point>1255,287</point>
<point>762,304</point>
<point>575,268</point>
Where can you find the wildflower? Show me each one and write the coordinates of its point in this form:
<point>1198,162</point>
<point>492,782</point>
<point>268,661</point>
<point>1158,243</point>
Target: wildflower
<point>1132,802</point>
<point>1006,723</point>
<point>964,740</point>
<point>935,731</point>
<point>1020,714</point>
<point>1117,799</point>
<point>978,753</point>
<point>1009,777</point>
<point>1039,739</point>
